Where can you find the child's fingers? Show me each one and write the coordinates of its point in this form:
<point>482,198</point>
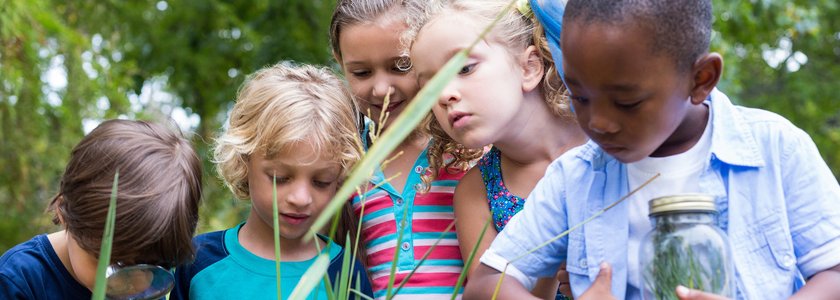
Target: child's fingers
<point>685,293</point>
<point>604,279</point>
<point>562,275</point>
<point>601,288</point>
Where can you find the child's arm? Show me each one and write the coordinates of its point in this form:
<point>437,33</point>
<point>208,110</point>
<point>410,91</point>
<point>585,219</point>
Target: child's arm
<point>472,211</point>
<point>823,285</point>
<point>483,283</point>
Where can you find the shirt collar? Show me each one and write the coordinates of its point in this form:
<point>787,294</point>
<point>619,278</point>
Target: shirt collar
<point>732,140</point>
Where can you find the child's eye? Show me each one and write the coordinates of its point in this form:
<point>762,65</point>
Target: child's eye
<point>279,179</point>
<point>360,73</point>
<point>628,106</point>
<point>322,184</point>
<point>579,99</point>
<point>400,70</point>
<point>467,69</point>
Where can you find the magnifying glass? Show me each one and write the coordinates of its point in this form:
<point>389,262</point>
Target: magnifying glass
<point>138,282</point>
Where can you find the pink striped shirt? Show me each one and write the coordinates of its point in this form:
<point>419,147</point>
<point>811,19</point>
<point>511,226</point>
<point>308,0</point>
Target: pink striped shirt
<point>427,216</point>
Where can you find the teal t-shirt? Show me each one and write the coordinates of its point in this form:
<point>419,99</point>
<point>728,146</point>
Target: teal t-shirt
<point>232,272</point>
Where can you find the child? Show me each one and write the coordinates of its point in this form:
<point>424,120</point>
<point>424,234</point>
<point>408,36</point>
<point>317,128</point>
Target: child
<point>365,37</point>
<point>507,95</point>
<point>296,126</point>
<point>643,89</point>
<point>158,193</point>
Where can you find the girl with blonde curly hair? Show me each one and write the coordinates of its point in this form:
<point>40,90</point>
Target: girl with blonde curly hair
<point>506,95</point>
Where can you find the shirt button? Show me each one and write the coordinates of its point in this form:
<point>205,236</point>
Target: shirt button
<point>788,261</point>
<point>399,201</point>
<point>405,246</point>
<point>583,263</point>
<point>418,169</point>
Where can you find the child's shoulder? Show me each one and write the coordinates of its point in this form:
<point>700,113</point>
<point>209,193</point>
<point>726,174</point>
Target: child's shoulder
<point>210,245</point>
<point>769,128</point>
<point>32,269</point>
<point>34,253</point>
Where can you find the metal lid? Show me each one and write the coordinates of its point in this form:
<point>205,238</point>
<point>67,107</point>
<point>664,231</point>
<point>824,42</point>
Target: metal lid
<point>682,203</point>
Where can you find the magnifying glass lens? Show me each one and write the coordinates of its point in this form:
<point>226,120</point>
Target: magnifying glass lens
<point>138,282</point>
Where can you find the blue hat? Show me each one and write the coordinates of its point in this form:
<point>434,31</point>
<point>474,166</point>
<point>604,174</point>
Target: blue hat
<point>550,15</point>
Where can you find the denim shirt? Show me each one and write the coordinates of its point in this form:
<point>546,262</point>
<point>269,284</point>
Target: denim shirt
<point>777,200</point>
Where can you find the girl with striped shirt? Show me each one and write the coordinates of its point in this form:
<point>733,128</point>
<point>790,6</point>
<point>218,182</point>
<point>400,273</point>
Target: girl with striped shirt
<point>401,215</point>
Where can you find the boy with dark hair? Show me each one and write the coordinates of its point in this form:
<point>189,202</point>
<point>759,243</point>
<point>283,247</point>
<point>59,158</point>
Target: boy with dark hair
<point>158,195</point>
<point>643,84</point>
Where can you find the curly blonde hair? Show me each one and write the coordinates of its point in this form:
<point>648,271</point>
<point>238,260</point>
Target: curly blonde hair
<point>516,31</point>
<point>280,105</point>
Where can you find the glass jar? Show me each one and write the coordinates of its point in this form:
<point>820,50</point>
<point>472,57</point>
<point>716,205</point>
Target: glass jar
<point>685,247</point>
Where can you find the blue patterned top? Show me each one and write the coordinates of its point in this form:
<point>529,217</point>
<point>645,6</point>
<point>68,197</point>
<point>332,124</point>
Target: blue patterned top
<point>503,204</point>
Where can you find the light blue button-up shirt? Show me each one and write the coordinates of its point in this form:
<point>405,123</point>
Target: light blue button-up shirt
<point>776,198</point>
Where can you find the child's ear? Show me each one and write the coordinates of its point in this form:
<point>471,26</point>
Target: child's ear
<point>707,71</point>
<point>532,68</point>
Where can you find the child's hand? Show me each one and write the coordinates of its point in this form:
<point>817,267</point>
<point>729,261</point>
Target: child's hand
<point>563,278</point>
<point>685,293</point>
<point>600,289</point>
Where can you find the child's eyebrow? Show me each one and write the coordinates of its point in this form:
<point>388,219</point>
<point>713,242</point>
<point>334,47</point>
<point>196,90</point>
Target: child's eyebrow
<point>622,87</point>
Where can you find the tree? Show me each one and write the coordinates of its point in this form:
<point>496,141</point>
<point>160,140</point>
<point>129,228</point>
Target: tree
<point>779,55</point>
<point>108,51</point>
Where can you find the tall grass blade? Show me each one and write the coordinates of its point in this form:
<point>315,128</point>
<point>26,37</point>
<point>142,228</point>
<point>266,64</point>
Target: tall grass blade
<point>469,260</point>
<point>311,277</point>
<point>276,214</point>
<point>100,286</point>
<point>346,271</point>
<point>564,233</point>
<point>389,290</point>
<point>399,130</point>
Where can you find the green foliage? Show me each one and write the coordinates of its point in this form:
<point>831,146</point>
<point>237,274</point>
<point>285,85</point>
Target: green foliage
<point>200,51</point>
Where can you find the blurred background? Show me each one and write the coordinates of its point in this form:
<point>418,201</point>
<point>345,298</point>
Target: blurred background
<point>67,65</point>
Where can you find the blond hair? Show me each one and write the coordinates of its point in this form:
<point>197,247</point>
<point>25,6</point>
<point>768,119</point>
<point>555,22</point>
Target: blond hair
<point>283,104</point>
<point>516,31</point>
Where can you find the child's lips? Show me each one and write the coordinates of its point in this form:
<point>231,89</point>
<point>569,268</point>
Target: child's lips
<point>458,119</point>
<point>294,219</point>
<point>391,105</point>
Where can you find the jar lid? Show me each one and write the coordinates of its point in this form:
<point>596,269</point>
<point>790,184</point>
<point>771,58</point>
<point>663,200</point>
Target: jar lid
<point>682,203</point>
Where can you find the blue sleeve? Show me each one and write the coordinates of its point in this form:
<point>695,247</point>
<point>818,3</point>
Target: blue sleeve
<point>10,290</point>
<point>209,250</point>
<point>542,218</point>
<point>812,195</point>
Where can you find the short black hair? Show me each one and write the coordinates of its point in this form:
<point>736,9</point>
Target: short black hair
<point>680,28</point>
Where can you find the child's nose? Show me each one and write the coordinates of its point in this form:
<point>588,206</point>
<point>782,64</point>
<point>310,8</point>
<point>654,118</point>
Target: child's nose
<point>300,195</point>
<point>602,124</point>
<point>449,95</point>
<point>381,88</point>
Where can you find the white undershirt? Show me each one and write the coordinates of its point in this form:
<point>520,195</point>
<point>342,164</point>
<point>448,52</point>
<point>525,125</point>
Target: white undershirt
<point>679,174</point>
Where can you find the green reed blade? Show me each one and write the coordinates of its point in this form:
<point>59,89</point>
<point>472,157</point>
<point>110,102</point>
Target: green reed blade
<point>275,213</point>
<point>564,233</point>
<point>425,256</point>
<point>393,136</point>
<point>311,277</point>
<point>346,270</point>
<point>392,276</point>
<point>100,286</point>
<point>468,262</point>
